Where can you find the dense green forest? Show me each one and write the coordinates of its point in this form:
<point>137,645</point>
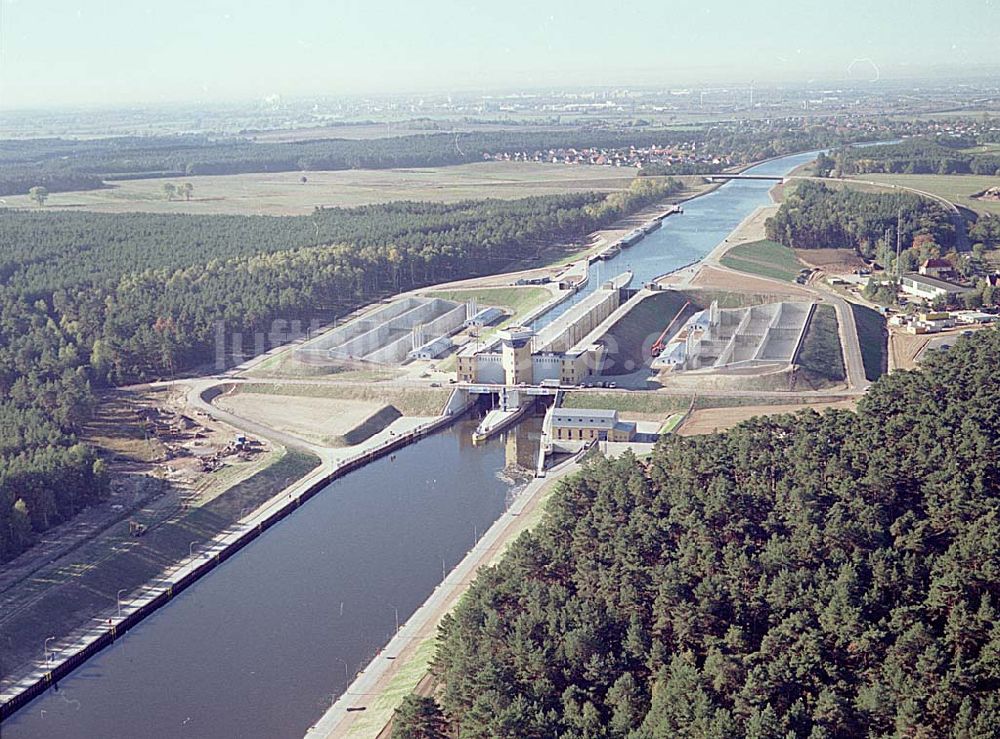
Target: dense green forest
<point>919,155</point>
<point>833,575</point>
<point>986,231</point>
<point>816,216</point>
<point>61,164</point>
<point>88,299</point>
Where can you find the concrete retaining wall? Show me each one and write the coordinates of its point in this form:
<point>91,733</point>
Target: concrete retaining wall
<point>391,330</point>
<point>365,323</point>
<point>397,351</point>
<point>577,322</point>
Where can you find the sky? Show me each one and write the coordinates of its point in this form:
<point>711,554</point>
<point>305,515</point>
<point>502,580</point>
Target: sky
<point>114,52</point>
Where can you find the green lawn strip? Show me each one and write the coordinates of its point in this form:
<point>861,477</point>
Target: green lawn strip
<point>821,351</point>
<point>764,258</point>
<point>638,401</point>
<point>516,299</point>
<point>873,337</point>
<point>672,423</point>
<point>649,401</point>
<point>756,268</point>
<point>380,710</point>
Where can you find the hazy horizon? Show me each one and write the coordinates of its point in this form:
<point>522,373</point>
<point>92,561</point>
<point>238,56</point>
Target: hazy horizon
<point>113,54</point>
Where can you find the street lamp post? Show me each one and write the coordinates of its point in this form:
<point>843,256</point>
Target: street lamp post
<point>396,610</point>
<point>191,549</point>
<point>45,649</point>
<point>118,597</point>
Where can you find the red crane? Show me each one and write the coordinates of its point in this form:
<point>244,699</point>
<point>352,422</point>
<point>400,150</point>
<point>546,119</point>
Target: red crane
<point>660,344</point>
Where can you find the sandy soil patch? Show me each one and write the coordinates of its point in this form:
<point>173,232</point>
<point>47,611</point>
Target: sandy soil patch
<point>710,420</point>
<point>722,279</point>
<point>319,420</point>
<point>905,348</point>
<point>833,261</point>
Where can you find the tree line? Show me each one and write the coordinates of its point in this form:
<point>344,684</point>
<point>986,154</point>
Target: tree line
<point>918,155</point>
<point>817,216</point>
<point>61,164</point>
<point>810,575</point>
<point>89,299</point>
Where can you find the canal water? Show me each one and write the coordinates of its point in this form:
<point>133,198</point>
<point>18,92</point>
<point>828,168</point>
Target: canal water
<point>258,648</point>
<point>686,237</point>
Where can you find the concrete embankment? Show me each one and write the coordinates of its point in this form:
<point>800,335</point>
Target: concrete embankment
<point>80,646</point>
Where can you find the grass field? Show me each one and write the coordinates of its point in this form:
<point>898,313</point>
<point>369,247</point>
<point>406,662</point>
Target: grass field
<point>764,258</point>
<point>873,339</point>
<point>283,193</point>
<point>821,353</point>
<point>958,188</point>
<point>988,148</point>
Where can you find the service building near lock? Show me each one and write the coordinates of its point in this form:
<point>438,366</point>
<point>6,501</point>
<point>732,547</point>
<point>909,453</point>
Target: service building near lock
<point>931,288</point>
<point>588,424</point>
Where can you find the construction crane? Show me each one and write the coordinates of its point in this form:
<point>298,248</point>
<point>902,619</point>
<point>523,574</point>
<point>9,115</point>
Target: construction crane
<point>661,342</point>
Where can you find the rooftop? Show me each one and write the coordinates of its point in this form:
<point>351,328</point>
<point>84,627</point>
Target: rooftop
<point>939,263</point>
<point>935,282</point>
<point>585,418</point>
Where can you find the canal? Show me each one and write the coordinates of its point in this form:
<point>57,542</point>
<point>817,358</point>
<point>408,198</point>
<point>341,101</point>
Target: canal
<point>259,647</point>
<point>687,237</point>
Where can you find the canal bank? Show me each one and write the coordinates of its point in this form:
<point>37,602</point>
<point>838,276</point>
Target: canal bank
<point>278,627</point>
<point>78,647</point>
<point>218,645</point>
<point>361,710</point>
